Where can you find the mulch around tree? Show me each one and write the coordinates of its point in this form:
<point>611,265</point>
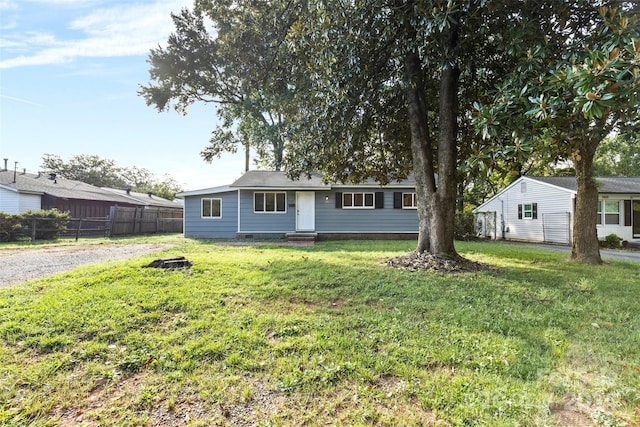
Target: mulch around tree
<point>424,261</point>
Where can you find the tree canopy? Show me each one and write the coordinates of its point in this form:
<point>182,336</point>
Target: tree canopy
<point>575,89</point>
<point>618,155</point>
<point>94,170</point>
<point>231,54</point>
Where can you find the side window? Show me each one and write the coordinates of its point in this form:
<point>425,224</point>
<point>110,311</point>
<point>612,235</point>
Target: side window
<point>211,208</point>
<point>528,211</point>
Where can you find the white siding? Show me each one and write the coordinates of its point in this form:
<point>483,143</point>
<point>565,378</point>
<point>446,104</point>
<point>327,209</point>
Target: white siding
<point>30,202</point>
<point>625,232</point>
<point>9,201</point>
<point>552,201</point>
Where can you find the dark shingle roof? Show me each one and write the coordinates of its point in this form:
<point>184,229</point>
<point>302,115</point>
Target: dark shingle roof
<point>60,187</point>
<point>279,179</point>
<point>605,184</point>
<point>146,199</point>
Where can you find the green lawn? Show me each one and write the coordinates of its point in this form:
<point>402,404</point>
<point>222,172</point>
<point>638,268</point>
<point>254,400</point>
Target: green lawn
<point>324,335</point>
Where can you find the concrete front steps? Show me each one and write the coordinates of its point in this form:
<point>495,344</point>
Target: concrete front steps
<point>301,237</point>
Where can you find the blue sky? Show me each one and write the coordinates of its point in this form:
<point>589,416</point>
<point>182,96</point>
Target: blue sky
<point>69,76</point>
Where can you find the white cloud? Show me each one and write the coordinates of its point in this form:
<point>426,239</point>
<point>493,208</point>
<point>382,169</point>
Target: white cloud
<point>122,30</point>
<point>8,5</point>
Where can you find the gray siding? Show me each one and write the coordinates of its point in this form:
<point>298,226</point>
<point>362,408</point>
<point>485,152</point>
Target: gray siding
<point>211,228</point>
<point>330,219</point>
<point>266,222</point>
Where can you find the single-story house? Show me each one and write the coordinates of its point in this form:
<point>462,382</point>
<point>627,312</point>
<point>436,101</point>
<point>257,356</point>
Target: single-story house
<point>21,191</point>
<point>267,204</point>
<point>541,209</point>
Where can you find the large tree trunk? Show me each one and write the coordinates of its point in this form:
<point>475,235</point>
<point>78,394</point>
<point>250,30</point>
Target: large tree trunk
<point>436,204</point>
<point>585,246</point>
<point>443,201</point>
<point>421,148</point>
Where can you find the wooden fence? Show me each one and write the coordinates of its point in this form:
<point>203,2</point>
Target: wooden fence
<point>120,222</point>
<point>126,221</point>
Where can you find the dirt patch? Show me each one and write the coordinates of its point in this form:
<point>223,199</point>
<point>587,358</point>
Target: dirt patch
<point>424,261</point>
<point>568,414</point>
<point>21,265</point>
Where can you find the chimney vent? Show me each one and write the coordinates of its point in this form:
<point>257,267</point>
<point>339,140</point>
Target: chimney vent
<point>6,166</point>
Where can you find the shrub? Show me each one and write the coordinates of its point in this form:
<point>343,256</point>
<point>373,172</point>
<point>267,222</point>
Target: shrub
<point>611,241</point>
<point>48,223</point>
<point>463,226</point>
<point>10,227</point>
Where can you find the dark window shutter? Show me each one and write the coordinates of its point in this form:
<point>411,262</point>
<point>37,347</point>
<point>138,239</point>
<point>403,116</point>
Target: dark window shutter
<point>397,200</point>
<point>627,213</point>
<point>519,211</point>
<point>338,200</point>
<point>379,200</point>
<point>535,211</point>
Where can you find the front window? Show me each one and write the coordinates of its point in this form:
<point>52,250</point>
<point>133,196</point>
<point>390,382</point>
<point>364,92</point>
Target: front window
<point>357,200</point>
<point>611,211</point>
<point>409,201</point>
<point>527,211</point>
<point>211,208</point>
<point>270,202</point>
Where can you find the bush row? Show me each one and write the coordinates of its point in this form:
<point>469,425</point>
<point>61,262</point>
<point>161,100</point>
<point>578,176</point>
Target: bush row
<point>47,224</point>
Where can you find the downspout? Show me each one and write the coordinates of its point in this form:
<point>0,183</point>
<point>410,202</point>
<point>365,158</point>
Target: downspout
<point>502,224</point>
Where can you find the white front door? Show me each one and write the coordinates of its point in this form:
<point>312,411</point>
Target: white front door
<point>305,211</point>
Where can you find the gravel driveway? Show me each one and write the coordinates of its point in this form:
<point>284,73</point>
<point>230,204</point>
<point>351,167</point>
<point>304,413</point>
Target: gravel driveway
<point>20,265</point>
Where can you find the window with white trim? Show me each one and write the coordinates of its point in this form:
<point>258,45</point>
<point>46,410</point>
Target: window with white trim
<point>409,201</point>
<point>270,202</point>
<point>358,200</point>
<point>211,208</point>
<point>608,212</point>
<point>528,211</point>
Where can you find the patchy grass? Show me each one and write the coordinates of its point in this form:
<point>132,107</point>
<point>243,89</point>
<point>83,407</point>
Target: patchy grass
<point>325,334</point>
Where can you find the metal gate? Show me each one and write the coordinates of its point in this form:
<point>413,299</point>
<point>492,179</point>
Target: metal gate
<point>485,224</point>
<point>556,227</point>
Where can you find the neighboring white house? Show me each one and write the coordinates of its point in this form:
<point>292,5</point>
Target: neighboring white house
<point>541,209</point>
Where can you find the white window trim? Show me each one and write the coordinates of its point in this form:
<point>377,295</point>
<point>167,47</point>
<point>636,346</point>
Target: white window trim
<point>602,203</point>
<point>413,200</point>
<point>211,199</point>
<point>275,193</point>
<point>364,193</point>
<point>525,211</point>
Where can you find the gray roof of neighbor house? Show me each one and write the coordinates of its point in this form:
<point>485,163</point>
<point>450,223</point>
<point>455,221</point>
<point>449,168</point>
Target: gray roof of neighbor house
<point>147,199</point>
<point>279,180</point>
<point>59,187</point>
<point>619,185</point>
